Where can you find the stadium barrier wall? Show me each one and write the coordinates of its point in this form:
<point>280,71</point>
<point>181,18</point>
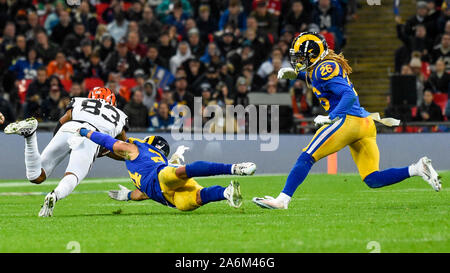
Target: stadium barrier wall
<point>396,150</point>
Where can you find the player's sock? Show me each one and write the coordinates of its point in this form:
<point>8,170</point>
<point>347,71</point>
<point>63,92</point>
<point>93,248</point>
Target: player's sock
<point>205,168</point>
<point>387,177</point>
<point>66,186</point>
<point>32,158</point>
<point>298,173</point>
<point>212,194</point>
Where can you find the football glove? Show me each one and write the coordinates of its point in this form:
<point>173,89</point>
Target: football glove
<point>178,157</point>
<point>120,195</point>
<point>322,120</point>
<point>287,73</point>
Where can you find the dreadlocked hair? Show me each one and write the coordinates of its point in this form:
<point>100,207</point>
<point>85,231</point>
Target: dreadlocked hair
<point>340,59</point>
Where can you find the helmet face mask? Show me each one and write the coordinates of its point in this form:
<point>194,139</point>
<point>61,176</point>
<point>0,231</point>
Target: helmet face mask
<point>159,143</point>
<point>306,50</point>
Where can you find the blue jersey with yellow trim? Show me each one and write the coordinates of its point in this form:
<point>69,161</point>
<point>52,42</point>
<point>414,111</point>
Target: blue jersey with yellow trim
<point>333,88</point>
<point>144,170</point>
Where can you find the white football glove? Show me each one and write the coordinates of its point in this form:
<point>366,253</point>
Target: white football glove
<point>120,195</point>
<point>287,73</point>
<point>178,157</point>
<point>322,120</point>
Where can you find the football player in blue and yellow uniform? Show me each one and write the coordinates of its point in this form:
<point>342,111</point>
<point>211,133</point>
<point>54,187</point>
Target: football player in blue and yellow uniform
<point>172,185</point>
<point>347,123</point>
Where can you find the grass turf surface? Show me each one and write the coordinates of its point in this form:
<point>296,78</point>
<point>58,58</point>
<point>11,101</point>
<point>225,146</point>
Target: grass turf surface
<point>328,214</point>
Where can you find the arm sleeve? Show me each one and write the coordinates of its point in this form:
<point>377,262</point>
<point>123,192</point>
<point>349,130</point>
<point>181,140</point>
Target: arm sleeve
<point>103,140</point>
<point>341,88</point>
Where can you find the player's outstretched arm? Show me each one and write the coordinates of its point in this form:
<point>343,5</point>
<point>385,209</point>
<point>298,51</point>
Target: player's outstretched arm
<point>125,194</point>
<point>123,149</point>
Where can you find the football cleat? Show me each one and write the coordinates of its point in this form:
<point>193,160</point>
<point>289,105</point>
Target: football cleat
<point>268,202</point>
<point>233,194</point>
<point>427,172</point>
<point>49,204</point>
<point>24,128</point>
<point>246,168</point>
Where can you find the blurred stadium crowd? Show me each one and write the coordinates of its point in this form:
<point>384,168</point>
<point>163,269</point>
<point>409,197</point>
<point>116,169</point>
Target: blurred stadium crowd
<point>425,54</point>
<point>154,54</point>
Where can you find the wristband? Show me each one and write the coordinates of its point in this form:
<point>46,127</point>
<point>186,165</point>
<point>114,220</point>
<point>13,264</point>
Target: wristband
<point>129,195</point>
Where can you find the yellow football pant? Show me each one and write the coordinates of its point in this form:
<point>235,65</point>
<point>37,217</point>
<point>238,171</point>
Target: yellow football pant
<point>356,132</point>
<point>182,193</point>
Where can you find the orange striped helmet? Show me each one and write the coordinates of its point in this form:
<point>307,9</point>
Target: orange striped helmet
<point>104,94</point>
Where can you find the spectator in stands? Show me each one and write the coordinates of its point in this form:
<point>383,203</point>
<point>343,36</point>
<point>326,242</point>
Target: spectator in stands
<point>136,111</point>
<point>33,26</point>
<point>177,17</point>
<point>416,66</point>
<point>439,80</point>
<point>150,94</point>
<point>442,51</point>
<point>54,105</point>
<point>210,76</point>
<point>152,59</point>
<point>297,17</point>
<point>118,27</point>
<point>166,48</point>
<point>106,46</point>
<point>206,92</point>
<point>163,10</point>
<point>227,43</point>
<point>95,68</point>
<point>194,70</point>
<point>62,29</point>
<point>84,15</point>
<point>181,95</point>
<point>206,23</point>
<point>36,93</point>
<point>81,60</point>
<point>419,18</point>
<point>242,88</point>
<point>114,85</point>
<point>121,60</point>
<point>196,45</point>
<point>428,110</point>
<point>135,46</point>
<point>267,22</point>
<point>9,32</point>
<point>327,16</point>
<point>419,42</point>
<point>183,53</point>
<point>149,27</point>
<point>135,12</point>
<point>234,16</point>
<point>14,53</point>
<point>60,67</point>
<point>162,120</point>
<point>46,50</point>
<point>26,68</point>
<point>73,40</point>
<point>76,90</point>
<point>220,96</point>
<point>267,67</point>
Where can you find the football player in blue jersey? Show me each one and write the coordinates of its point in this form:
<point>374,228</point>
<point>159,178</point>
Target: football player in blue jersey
<point>347,123</point>
<point>172,185</point>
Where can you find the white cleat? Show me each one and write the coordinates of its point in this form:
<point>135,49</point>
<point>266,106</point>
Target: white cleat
<point>268,202</point>
<point>24,127</point>
<point>49,204</point>
<point>427,172</point>
<point>245,168</point>
<point>233,194</point>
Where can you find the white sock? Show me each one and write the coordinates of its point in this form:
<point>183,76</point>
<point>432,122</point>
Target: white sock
<point>66,186</point>
<point>284,198</point>
<point>412,169</point>
<point>32,158</point>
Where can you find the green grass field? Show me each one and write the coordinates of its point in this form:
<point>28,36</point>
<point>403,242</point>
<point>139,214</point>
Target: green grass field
<point>328,214</point>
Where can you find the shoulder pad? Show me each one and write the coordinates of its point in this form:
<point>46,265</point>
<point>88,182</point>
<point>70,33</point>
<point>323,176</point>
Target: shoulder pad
<point>326,70</point>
